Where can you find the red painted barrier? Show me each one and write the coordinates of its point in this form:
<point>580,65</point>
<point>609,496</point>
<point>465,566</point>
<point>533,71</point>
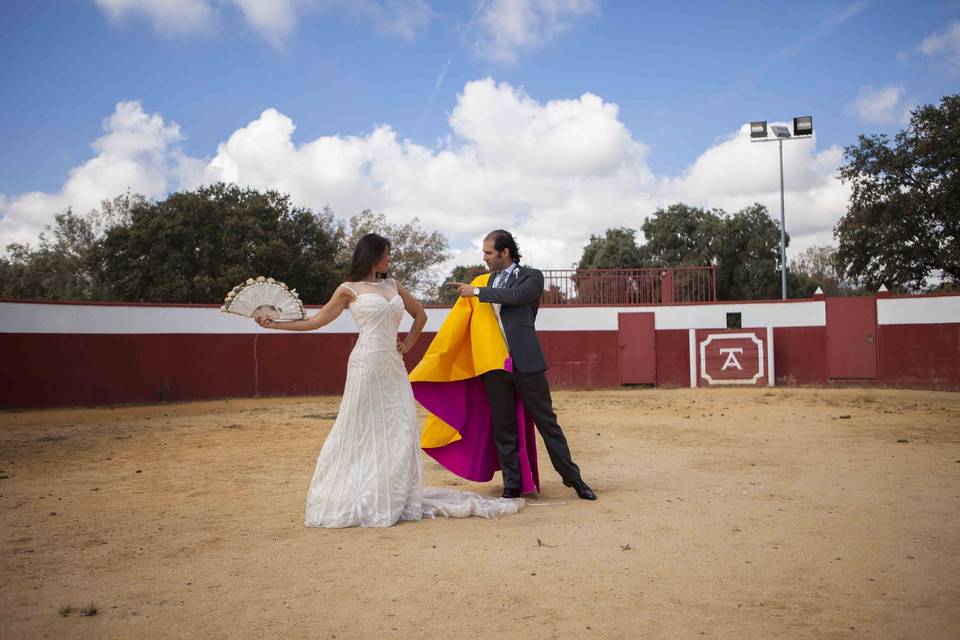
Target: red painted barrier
<point>50,368</point>
<point>580,359</point>
<point>800,355</point>
<point>65,370</point>
<point>920,355</point>
<point>673,358</point>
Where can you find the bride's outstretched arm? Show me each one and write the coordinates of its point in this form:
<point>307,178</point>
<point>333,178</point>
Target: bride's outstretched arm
<point>327,313</point>
<point>415,309</point>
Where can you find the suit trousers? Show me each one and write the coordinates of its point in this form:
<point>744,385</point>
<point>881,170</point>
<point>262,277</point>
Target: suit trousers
<point>534,392</point>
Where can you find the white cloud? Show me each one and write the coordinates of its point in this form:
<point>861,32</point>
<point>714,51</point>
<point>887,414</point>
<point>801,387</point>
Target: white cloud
<point>138,152</point>
<point>563,137</point>
<point>402,18</point>
<point>884,105</point>
<point>167,16</point>
<point>553,172</point>
<point>510,27</point>
<point>274,20</point>
<point>512,162</point>
<point>736,172</point>
<point>945,45</point>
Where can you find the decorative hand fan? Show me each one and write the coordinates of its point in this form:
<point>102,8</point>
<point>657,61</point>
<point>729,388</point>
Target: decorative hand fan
<point>264,297</point>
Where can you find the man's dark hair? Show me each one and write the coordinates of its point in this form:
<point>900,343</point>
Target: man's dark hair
<point>504,240</point>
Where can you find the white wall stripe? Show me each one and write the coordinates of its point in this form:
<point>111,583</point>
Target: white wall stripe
<point>931,310</point>
<point>692,338</point>
<point>74,318</point>
<point>771,379</point>
<point>706,316</point>
<point>16,317</point>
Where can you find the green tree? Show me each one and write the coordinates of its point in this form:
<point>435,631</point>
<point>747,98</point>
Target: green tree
<point>115,212</point>
<point>60,268</point>
<point>415,254</point>
<point>748,256</point>
<point>744,247</point>
<point>902,225</point>
<point>818,266</point>
<point>616,249</point>
<point>681,235</point>
<point>64,266</point>
<point>193,246</point>
<point>461,273</point>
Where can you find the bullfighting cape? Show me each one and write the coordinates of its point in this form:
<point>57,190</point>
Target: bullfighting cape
<point>447,383</point>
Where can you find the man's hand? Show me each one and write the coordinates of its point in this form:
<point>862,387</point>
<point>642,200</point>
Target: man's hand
<point>463,290</point>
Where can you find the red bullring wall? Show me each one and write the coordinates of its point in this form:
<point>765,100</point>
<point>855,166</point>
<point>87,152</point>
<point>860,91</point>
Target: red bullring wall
<point>69,354</point>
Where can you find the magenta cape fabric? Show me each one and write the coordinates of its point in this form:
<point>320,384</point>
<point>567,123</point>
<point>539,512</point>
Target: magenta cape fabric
<point>463,405</point>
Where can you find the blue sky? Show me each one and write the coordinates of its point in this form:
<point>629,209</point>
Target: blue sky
<point>674,81</point>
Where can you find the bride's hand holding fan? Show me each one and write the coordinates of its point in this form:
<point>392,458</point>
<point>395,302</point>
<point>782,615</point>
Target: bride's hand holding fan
<point>265,300</point>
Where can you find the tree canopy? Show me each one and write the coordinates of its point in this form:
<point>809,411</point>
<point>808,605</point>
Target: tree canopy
<point>817,266</point>
<point>616,249</point>
<point>744,247</point>
<point>65,266</point>
<point>681,235</point>
<point>194,246</point>
<point>460,273</point>
<point>902,226</point>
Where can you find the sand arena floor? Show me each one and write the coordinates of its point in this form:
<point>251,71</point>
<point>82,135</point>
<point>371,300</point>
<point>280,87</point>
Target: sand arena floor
<point>739,513</point>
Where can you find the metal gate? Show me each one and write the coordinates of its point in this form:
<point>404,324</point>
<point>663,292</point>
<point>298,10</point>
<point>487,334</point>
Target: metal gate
<point>637,344</point>
<point>852,338</point>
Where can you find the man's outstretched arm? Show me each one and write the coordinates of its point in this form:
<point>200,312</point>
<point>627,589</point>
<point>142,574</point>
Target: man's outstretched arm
<point>526,292</point>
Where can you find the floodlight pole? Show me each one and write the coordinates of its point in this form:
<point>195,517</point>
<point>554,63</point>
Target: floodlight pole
<point>802,128</point>
<point>783,225</point>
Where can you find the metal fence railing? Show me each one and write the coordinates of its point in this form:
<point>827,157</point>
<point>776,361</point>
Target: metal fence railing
<point>669,285</point>
<point>629,286</point>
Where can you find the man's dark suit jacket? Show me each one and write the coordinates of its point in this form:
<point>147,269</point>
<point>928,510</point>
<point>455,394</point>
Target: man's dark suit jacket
<point>519,300</point>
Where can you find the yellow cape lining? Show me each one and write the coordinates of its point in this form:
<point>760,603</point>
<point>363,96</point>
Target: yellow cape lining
<point>468,344</point>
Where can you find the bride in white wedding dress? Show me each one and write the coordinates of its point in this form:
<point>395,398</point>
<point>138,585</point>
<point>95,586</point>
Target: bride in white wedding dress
<point>369,472</point>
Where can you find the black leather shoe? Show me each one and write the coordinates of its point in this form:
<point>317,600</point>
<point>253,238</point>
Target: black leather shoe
<point>583,491</point>
<point>510,493</point>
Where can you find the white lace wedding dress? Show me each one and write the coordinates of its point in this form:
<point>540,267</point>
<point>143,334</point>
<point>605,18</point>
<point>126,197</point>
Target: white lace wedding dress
<point>369,472</point>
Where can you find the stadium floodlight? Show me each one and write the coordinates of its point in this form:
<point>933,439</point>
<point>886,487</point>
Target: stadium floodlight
<point>802,128</point>
<point>780,131</point>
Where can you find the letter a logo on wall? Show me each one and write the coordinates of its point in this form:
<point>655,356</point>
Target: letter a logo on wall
<point>731,358</point>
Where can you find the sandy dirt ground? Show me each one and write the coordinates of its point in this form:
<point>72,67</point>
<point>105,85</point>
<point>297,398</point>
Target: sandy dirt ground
<point>736,513</point>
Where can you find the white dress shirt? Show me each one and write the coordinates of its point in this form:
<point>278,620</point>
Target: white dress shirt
<point>496,306</point>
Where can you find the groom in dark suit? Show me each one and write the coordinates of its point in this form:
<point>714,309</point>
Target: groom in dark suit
<point>515,294</point>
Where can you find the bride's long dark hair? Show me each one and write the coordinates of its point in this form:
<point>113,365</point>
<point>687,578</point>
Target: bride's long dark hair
<point>368,252</point>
